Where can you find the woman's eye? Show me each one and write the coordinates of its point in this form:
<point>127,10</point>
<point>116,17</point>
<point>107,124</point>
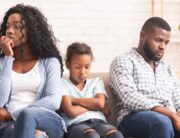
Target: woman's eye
<point>18,27</point>
<point>7,26</point>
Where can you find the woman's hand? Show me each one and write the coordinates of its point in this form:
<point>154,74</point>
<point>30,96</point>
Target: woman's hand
<point>5,115</point>
<point>6,45</point>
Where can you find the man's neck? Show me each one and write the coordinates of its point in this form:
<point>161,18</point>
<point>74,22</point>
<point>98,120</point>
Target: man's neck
<point>150,62</point>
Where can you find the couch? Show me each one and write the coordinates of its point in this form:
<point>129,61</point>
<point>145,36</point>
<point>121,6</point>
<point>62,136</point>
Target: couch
<point>111,100</point>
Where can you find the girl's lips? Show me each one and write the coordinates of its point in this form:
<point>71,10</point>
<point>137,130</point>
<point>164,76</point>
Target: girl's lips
<point>82,77</point>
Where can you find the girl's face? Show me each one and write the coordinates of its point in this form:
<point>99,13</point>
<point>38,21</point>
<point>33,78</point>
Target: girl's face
<point>15,29</point>
<point>79,68</point>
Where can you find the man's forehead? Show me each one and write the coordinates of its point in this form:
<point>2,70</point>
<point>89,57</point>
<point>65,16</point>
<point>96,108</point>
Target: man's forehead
<point>159,31</point>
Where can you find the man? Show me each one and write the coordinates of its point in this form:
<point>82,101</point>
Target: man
<point>147,92</point>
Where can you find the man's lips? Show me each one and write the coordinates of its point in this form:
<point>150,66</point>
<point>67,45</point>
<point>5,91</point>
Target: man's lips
<point>160,53</point>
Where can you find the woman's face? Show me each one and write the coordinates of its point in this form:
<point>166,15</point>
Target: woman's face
<point>15,29</point>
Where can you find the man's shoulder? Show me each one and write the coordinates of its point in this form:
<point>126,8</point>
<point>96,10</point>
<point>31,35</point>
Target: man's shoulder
<point>126,57</point>
<point>163,64</point>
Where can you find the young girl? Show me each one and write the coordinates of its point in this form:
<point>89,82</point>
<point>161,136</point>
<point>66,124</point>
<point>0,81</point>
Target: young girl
<point>30,75</point>
<point>85,98</point>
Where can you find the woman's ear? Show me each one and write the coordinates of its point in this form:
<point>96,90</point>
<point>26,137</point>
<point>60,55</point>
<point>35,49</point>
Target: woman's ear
<point>67,65</point>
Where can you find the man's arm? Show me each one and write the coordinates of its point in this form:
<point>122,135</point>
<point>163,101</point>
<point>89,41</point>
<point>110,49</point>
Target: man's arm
<point>175,118</point>
<point>122,81</point>
<point>176,93</point>
<point>125,88</point>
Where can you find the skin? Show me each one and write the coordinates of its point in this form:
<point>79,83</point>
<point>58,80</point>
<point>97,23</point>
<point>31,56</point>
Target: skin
<point>79,68</point>
<point>155,43</point>
<point>11,44</point>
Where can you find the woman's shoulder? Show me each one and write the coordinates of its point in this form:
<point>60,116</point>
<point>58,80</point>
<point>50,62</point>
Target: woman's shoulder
<point>51,60</point>
<point>49,63</point>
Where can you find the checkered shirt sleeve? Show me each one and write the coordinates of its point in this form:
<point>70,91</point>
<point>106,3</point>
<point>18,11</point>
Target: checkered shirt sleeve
<point>122,81</point>
<point>176,92</point>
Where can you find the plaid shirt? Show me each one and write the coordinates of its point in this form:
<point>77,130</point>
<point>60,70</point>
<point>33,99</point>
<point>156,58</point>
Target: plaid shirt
<point>138,87</point>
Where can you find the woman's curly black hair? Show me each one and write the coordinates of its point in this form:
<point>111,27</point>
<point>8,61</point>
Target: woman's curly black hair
<point>40,36</point>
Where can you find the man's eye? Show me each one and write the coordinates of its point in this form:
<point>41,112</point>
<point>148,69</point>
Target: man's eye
<point>158,40</point>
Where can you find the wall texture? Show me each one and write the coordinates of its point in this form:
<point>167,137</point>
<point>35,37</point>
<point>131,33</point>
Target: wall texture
<point>110,27</point>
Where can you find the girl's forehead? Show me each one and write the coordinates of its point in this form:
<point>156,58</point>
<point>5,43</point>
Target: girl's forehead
<point>83,58</point>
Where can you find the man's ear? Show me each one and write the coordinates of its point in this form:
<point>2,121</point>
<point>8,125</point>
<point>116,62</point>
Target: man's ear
<point>142,36</point>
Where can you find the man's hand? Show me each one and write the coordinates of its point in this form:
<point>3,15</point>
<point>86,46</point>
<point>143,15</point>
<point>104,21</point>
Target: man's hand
<point>5,115</point>
<point>178,113</point>
<point>176,120</point>
<point>174,116</point>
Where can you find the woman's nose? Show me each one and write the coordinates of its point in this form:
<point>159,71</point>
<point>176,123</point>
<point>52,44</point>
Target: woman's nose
<point>9,31</point>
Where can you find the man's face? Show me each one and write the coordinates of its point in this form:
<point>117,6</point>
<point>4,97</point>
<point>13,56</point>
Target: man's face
<point>155,43</point>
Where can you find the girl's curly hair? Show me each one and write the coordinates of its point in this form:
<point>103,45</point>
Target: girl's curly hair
<point>40,36</point>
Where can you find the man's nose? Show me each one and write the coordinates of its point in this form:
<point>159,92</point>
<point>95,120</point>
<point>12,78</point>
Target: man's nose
<point>162,46</point>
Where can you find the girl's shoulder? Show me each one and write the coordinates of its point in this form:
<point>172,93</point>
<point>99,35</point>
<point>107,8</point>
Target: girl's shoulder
<point>66,83</point>
<point>94,80</point>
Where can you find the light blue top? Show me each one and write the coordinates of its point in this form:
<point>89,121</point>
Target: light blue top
<point>49,93</point>
<point>91,88</point>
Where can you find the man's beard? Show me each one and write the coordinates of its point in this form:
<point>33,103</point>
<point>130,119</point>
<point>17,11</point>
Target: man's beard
<point>149,53</point>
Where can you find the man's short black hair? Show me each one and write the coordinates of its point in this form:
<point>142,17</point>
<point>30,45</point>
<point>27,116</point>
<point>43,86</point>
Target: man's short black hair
<point>155,22</point>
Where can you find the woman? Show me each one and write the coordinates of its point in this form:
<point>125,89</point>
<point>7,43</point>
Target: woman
<point>30,73</point>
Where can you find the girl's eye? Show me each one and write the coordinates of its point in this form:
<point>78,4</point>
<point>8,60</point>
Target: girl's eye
<point>77,67</point>
<point>87,67</point>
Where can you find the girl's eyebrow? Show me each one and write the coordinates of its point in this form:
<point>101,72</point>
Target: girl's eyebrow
<point>80,64</point>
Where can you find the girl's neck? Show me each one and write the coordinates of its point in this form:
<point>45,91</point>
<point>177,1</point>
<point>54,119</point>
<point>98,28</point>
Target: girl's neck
<point>80,85</point>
